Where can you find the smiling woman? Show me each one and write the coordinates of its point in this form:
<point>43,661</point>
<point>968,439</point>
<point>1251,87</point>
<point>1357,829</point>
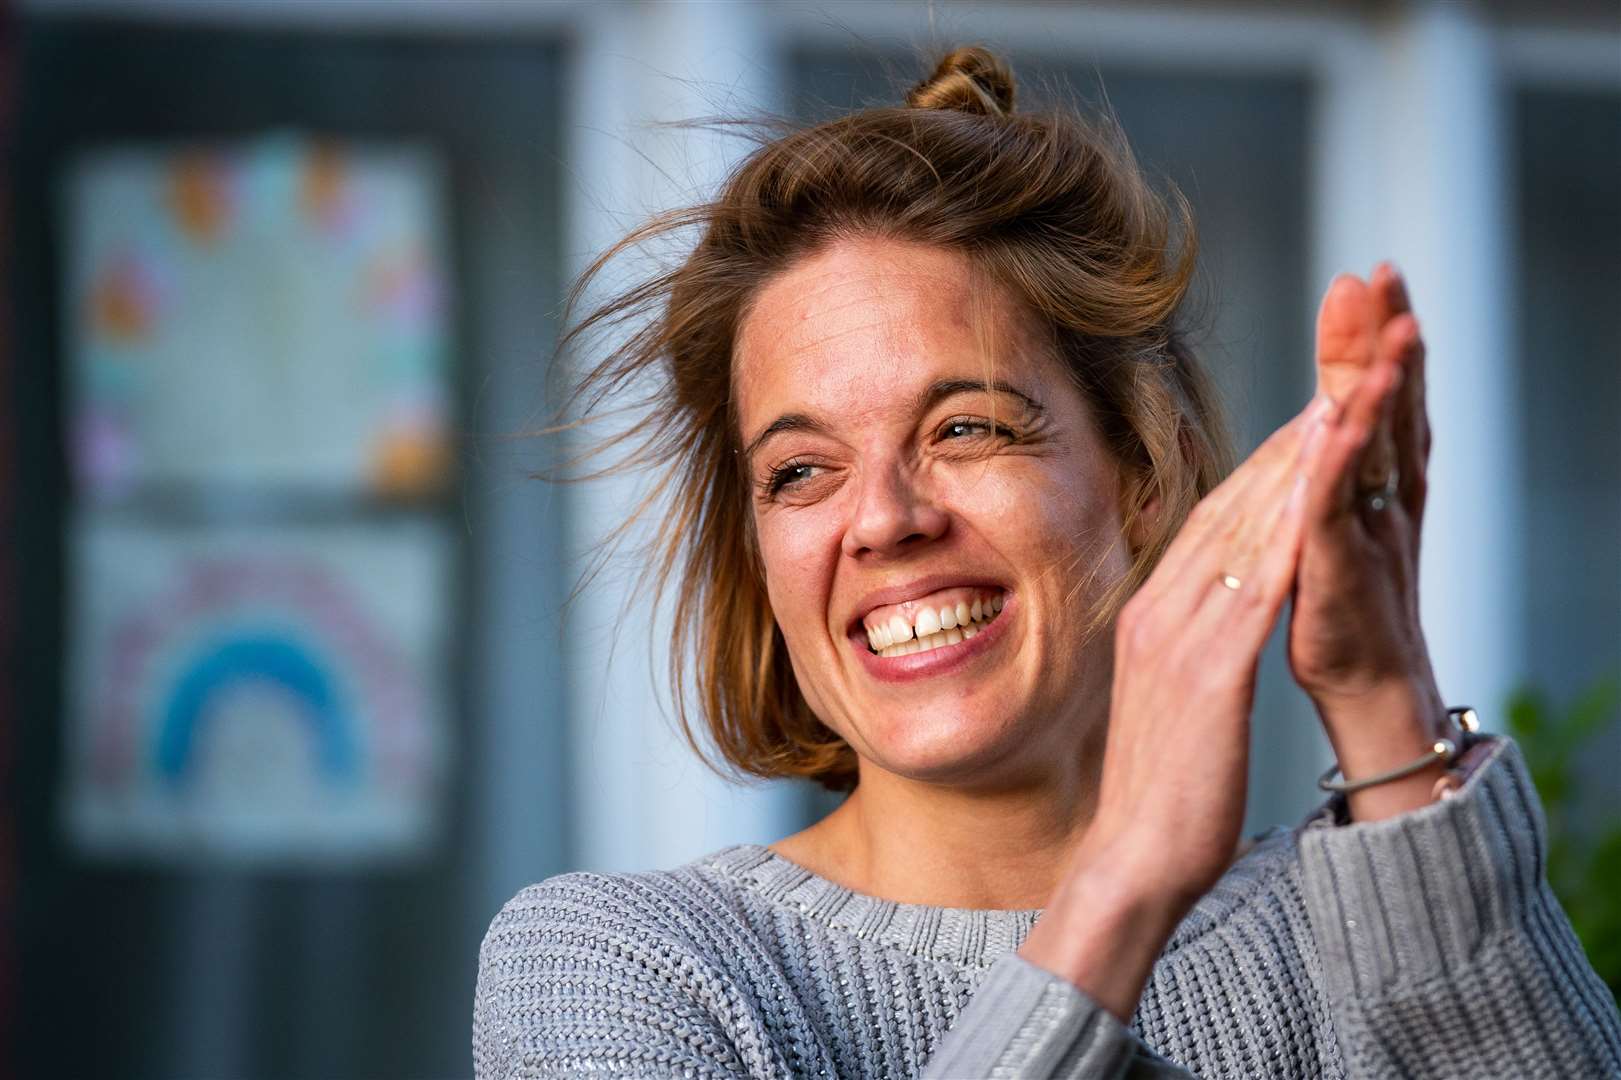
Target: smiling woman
<point>955,529</point>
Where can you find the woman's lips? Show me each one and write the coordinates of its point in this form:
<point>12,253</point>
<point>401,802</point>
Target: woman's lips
<point>943,660</point>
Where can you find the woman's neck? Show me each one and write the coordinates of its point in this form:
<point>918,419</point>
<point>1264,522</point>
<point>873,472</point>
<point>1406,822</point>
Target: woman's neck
<point>916,843</point>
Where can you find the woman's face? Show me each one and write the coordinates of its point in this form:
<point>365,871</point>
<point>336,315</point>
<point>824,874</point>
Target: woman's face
<point>894,494</point>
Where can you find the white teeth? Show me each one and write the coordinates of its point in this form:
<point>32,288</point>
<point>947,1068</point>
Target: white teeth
<point>928,622</point>
<point>935,627</point>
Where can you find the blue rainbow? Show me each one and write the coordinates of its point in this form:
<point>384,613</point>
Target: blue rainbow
<point>286,663</point>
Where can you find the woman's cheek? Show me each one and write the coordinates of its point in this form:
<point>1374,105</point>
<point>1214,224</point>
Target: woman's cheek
<point>792,545</point>
<point>799,548</point>
<point>1008,505</point>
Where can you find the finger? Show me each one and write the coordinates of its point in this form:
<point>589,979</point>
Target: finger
<point>1248,530</point>
<point>1411,427</point>
<point>1380,457</point>
<point>1209,514</point>
<point>1278,452</point>
<point>1388,302</point>
<point>1332,490</point>
<point>1237,622</point>
<point>1389,293</point>
<point>1346,335</point>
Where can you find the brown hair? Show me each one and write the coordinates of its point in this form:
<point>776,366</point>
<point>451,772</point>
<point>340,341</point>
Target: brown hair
<point>1051,207</point>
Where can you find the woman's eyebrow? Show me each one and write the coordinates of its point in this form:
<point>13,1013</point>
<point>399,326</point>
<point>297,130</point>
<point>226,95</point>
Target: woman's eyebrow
<point>941,389</point>
<point>789,422</point>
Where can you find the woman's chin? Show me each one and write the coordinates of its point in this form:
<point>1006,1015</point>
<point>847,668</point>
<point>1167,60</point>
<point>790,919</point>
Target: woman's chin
<point>939,744</point>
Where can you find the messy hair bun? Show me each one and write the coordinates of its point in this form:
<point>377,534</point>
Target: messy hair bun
<point>969,79</point>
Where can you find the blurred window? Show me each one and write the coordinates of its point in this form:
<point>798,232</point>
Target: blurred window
<point>258,433</point>
<point>265,281</point>
<point>1566,147</point>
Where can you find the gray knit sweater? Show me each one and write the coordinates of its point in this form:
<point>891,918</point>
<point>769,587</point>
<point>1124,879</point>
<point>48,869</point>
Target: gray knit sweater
<point>1428,945</point>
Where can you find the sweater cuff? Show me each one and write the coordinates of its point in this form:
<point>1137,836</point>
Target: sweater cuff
<point>1025,1021</point>
<point>1414,896</point>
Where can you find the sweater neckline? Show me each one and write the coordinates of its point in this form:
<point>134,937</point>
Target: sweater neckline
<point>968,937</point>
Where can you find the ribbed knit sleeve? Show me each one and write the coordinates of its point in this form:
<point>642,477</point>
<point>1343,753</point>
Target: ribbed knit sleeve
<point>1027,1022</point>
<point>1444,951</point>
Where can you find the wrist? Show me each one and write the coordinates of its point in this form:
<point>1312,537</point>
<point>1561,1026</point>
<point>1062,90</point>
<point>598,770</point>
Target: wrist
<point>1382,728</point>
<point>1102,931</point>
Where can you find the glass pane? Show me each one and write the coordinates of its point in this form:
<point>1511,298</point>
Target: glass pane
<point>261,313</point>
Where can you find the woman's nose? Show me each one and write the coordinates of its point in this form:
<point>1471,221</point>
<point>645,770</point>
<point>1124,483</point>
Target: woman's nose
<point>892,516</point>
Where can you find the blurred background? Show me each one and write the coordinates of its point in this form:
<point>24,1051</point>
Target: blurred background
<point>298,703</point>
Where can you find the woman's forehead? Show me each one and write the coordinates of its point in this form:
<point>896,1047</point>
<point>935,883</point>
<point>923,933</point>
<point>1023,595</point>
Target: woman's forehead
<point>866,324</point>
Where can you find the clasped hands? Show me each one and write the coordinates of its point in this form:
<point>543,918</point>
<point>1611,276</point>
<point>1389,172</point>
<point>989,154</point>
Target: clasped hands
<point>1293,520</point>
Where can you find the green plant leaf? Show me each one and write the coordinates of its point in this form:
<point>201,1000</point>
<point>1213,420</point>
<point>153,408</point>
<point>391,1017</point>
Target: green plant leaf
<point>1595,709</point>
<point>1527,714</point>
<point>1583,865</point>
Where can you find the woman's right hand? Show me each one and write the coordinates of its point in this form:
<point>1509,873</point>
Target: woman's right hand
<point>1171,796</point>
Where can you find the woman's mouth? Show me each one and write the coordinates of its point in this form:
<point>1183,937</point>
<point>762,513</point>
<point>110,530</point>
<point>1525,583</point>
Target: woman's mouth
<point>905,642</point>
<point>942,618</point>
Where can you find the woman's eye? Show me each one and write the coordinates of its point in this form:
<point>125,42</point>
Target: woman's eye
<point>968,429</point>
<point>787,475</point>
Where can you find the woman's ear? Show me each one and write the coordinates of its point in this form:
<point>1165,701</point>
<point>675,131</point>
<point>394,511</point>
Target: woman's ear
<point>1141,526</point>
<point>1146,525</point>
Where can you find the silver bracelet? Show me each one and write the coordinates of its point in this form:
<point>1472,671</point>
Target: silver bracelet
<point>1445,751</point>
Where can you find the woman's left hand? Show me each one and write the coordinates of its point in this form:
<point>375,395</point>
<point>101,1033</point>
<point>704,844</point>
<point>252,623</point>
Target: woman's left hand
<point>1355,643</point>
